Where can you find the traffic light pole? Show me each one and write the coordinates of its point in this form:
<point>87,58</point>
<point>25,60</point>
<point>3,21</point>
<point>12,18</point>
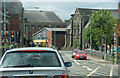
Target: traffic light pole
<point>116,52</point>
<point>4,24</point>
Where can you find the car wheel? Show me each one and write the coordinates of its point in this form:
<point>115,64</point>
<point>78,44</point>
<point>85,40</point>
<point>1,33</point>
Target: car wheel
<point>72,56</point>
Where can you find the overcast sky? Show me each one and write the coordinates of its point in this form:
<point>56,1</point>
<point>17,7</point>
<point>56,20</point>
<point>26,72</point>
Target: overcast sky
<point>70,0</point>
<point>63,10</point>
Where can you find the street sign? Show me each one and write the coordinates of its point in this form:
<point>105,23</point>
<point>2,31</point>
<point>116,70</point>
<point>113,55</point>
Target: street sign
<point>5,40</point>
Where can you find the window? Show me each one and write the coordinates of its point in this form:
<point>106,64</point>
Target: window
<point>36,29</point>
<point>33,58</point>
<point>74,32</point>
<point>29,28</point>
<point>29,37</point>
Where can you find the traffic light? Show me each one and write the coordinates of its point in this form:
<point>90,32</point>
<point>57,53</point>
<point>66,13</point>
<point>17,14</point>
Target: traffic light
<point>112,41</point>
<point>103,39</point>
<point>12,37</point>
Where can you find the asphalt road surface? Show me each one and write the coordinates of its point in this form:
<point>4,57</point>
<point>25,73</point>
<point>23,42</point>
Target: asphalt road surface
<point>90,67</point>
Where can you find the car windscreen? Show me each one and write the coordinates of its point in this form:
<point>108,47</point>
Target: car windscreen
<point>31,59</point>
<point>80,52</point>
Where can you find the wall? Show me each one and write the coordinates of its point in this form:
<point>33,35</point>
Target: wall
<point>97,54</point>
<point>50,38</point>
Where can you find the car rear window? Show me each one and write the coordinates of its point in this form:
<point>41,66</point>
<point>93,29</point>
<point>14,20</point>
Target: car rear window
<point>80,52</point>
<point>33,58</point>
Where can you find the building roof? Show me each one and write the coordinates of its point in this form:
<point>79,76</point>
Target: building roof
<point>51,29</point>
<point>69,27</point>
<point>41,16</point>
<point>56,29</point>
<point>87,25</point>
<point>88,11</point>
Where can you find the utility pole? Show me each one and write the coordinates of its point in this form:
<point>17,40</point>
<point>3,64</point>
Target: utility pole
<point>23,29</point>
<point>90,42</point>
<point>4,24</point>
<point>54,38</point>
<point>116,52</point>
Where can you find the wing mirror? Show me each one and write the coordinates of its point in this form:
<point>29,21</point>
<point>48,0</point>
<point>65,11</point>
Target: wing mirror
<point>68,64</point>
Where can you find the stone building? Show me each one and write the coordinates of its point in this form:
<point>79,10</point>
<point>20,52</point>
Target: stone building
<point>36,20</point>
<point>79,20</point>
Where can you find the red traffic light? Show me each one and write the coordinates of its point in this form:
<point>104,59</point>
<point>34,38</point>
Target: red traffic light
<point>12,32</point>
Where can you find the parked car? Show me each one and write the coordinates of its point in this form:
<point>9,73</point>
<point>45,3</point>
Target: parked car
<point>80,54</point>
<point>73,52</point>
<point>35,62</point>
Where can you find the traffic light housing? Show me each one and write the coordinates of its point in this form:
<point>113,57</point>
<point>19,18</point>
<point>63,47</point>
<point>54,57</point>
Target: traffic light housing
<point>103,39</point>
<point>12,37</point>
<point>112,41</point>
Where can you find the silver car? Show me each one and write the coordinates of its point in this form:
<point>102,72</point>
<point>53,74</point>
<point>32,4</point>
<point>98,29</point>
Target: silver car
<point>73,52</point>
<point>33,62</point>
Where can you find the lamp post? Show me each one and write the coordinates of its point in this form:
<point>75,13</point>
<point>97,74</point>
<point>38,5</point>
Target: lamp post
<point>54,38</point>
<point>23,28</point>
<point>90,42</point>
<point>116,52</point>
<point>4,23</point>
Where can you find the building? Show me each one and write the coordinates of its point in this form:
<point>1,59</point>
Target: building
<point>79,20</point>
<point>50,36</point>
<point>13,16</point>
<point>118,32</point>
<point>36,20</point>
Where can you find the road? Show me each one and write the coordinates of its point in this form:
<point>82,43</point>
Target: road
<point>89,67</point>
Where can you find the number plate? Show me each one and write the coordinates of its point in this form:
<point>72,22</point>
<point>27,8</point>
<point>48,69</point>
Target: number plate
<point>32,77</point>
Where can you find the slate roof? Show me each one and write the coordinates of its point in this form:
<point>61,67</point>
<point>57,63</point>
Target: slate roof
<point>69,27</point>
<point>87,25</point>
<point>56,29</point>
<point>51,29</point>
<point>87,11</point>
<point>41,16</point>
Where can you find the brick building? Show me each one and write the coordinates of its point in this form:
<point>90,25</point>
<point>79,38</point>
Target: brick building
<point>50,36</point>
<point>35,20</point>
<point>13,16</point>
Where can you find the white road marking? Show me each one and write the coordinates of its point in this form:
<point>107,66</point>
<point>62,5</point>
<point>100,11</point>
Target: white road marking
<point>87,68</point>
<point>111,71</point>
<point>73,60</point>
<point>68,57</point>
<point>93,71</point>
<point>76,62</point>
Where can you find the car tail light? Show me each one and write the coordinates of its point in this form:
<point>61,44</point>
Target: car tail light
<point>4,77</point>
<point>61,76</point>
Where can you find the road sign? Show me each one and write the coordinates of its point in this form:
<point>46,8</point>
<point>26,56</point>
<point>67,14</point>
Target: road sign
<point>5,40</point>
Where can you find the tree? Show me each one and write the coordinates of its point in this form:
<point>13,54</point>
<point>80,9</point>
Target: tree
<point>75,43</point>
<point>101,23</point>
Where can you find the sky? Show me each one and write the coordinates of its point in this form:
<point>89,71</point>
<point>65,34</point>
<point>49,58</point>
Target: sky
<point>64,8</point>
<point>69,0</point>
